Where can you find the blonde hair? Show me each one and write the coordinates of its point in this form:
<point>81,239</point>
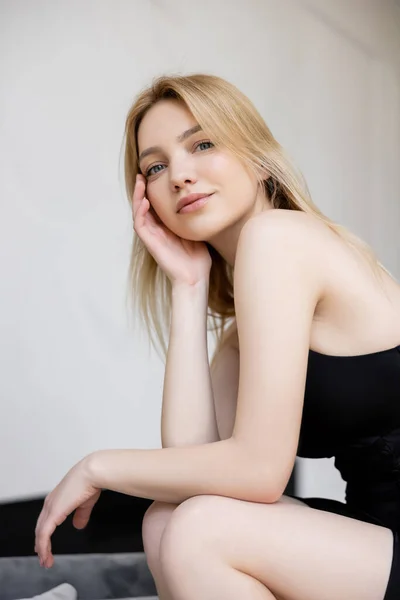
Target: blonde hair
<point>232,121</point>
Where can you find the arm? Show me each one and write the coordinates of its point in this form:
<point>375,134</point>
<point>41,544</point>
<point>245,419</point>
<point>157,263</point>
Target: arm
<point>188,414</point>
<point>279,259</point>
<point>225,381</point>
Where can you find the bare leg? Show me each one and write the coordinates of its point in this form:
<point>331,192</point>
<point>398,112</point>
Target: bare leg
<point>154,523</point>
<point>161,587</point>
<point>218,548</point>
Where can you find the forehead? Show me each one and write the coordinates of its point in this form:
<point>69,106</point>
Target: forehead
<point>164,119</point>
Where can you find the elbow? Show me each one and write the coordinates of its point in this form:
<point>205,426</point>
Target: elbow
<point>269,494</point>
<point>261,481</point>
<point>261,484</point>
<point>273,495</point>
<point>278,483</point>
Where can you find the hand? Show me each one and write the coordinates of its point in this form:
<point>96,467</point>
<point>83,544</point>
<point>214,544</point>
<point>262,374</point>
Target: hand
<point>183,261</point>
<point>74,492</point>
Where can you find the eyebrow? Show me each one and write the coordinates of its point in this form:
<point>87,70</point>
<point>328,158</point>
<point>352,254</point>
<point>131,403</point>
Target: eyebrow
<point>181,138</point>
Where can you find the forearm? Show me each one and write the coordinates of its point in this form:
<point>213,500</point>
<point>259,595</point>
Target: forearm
<point>175,474</point>
<point>188,413</point>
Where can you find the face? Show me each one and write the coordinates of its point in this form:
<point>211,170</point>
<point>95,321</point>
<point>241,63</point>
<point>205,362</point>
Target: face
<point>193,165</point>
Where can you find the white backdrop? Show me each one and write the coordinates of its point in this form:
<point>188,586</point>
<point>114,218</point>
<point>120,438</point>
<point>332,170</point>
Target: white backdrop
<point>75,376</point>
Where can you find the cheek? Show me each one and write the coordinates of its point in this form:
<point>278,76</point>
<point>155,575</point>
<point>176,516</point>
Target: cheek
<point>164,214</point>
<point>220,165</point>
<point>230,174</point>
<point>158,199</point>
<point>236,183</point>
<point>157,214</point>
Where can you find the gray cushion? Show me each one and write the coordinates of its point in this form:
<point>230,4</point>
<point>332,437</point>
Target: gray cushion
<point>94,576</point>
<point>65,591</point>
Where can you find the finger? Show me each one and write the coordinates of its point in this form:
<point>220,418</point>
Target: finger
<point>38,529</point>
<point>138,194</point>
<point>46,527</point>
<point>139,220</point>
<point>142,208</point>
<point>82,516</point>
<point>43,540</point>
<point>48,561</point>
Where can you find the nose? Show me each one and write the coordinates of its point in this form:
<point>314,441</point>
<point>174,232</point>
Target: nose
<point>181,173</point>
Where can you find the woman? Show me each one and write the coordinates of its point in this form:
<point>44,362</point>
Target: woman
<point>317,321</point>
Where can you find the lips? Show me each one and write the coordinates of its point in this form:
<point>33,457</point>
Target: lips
<point>189,200</point>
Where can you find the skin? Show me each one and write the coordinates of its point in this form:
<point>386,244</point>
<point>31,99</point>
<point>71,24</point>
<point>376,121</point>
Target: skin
<point>243,557</point>
<point>237,541</point>
<point>184,168</point>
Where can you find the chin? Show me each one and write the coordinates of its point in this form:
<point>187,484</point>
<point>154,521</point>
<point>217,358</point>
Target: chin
<point>205,231</point>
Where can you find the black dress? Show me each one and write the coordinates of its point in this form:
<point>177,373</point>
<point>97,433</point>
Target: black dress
<point>352,412</point>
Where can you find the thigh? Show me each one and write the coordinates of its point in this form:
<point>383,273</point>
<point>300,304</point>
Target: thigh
<point>298,552</point>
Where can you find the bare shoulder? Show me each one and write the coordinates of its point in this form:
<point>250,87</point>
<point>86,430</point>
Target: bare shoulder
<point>293,230</point>
<point>281,254</point>
<point>299,256</point>
<point>288,250</point>
<point>281,219</point>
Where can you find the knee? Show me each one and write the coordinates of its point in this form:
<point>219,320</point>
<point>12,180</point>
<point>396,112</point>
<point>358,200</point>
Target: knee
<point>154,523</point>
<point>190,527</point>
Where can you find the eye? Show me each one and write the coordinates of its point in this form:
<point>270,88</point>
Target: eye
<point>201,143</point>
<point>149,171</point>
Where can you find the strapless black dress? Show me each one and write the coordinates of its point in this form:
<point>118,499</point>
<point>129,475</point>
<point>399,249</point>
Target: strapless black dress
<point>352,412</point>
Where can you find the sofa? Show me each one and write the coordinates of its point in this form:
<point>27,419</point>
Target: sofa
<point>78,577</point>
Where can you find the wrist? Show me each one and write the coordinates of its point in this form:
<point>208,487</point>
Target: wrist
<point>194,287</point>
<point>195,294</point>
<point>92,468</point>
<point>189,301</point>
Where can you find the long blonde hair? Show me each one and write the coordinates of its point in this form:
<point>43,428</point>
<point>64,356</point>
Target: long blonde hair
<point>232,121</point>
